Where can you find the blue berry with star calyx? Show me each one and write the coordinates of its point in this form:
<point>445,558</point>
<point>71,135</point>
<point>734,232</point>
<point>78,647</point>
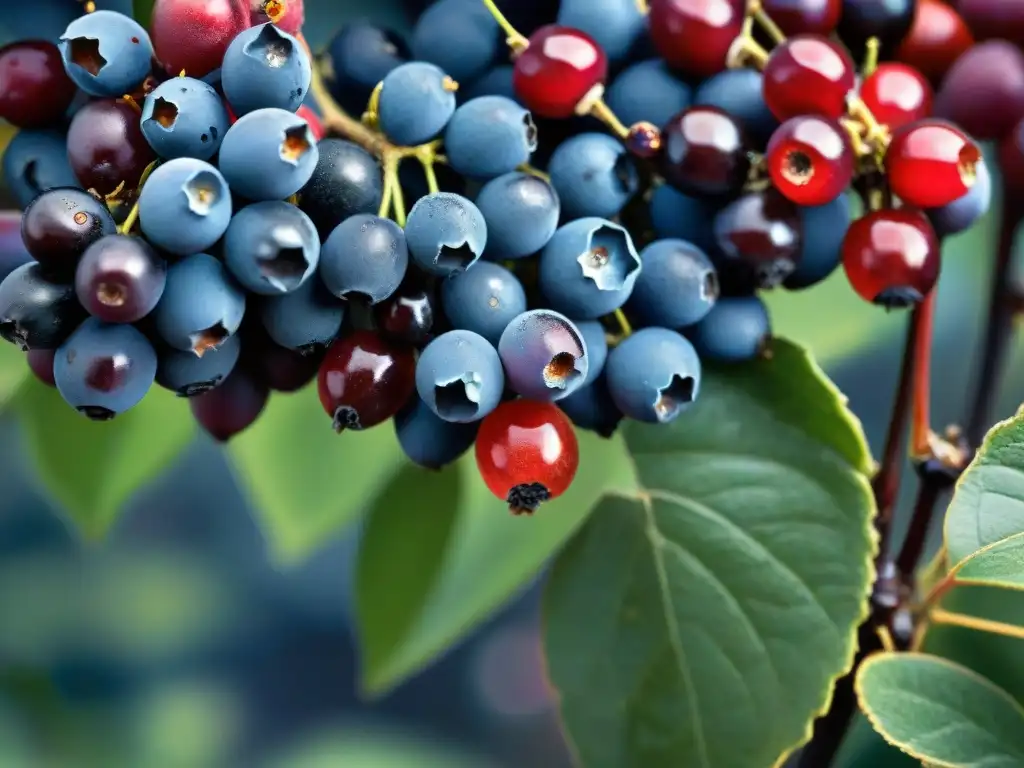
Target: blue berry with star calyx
<point>35,162</point>
<point>201,305</point>
<point>366,257</point>
<point>489,136</point>
<point>187,375</point>
<point>459,36</point>
<point>429,441</point>
<point>307,319</point>
<point>459,376</point>
<point>677,287</point>
<point>588,268</point>
<point>184,117</point>
<point>265,67</point>
<point>647,91</point>
<point>271,247</point>
<point>736,329</point>
<point>544,355</point>
<point>416,102</point>
<point>185,206</point>
<point>484,299</point>
<point>593,175</point>
<point>104,369</point>
<point>106,53</point>
<point>446,233</point>
<point>269,154</point>
<point>653,375</point>
<point>521,212</point>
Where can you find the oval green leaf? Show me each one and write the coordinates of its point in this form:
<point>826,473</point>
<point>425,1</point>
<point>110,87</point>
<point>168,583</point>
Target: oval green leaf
<point>988,505</point>
<point>997,565</point>
<point>92,468</point>
<point>703,620</point>
<point>940,712</point>
<point>305,482</point>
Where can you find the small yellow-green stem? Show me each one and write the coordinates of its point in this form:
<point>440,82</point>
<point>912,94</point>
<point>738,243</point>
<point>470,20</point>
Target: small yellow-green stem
<point>604,113</point>
<point>941,616</point>
<point>623,321</point>
<point>385,200</point>
<point>130,219</point>
<point>527,168</point>
<point>870,58</point>
<point>513,39</point>
<point>371,115</point>
<point>391,161</point>
<point>755,9</point>
<point>428,171</point>
<point>641,5</point>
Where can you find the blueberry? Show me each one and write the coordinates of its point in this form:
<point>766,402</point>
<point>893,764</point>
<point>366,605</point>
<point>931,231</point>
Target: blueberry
<point>521,212</point>
<point>736,329</point>
<point>106,53</point>
<point>186,375</point>
<point>184,117</point>
<point>653,375</point>
<point>484,299</point>
<point>445,233</point>
<point>493,82</point>
<point>120,279</point>
<point>346,181</point>
<point>593,175</point>
<point>185,206</point>
<point>544,355</point>
<point>359,57</point>
<point>265,67</point>
<point>36,313</point>
<point>365,255</point>
<point>647,91</point>
<point>104,369</point>
<point>679,216</point>
<point>416,102</point>
<point>489,136</point>
<point>269,154</point>
<point>201,306</point>
<point>596,342</point>
<point>271,247</point>
<point>591,407</point>
<point>34,162</point>
<point>459,376</point>
<point>961,214</point>
<point>306,319</point>
<point>677,287</point>
<point>614,24</point>
<point>459,36</point>
<point>823,228</point>
<point>588,268</point>
<point>739,92</point>
<point>429,441</point>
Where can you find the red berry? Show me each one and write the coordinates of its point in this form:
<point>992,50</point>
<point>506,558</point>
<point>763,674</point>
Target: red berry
<point>804,17</point>
<point>810,160</point>
<point>365,379</point>
<point>937,38</point>
<point>931,163</point>
<point>1003,19</point>
<point>192,35</point>
<point>695,35</point>
<point>231,407</point>
<point>106,146</point>
<point>703,152</point>
<point>808,75</point>
<point>897,94</point>
<point>286,14</point>
<point>40,362</point>
<point>527,453</point>
<point>309,116</point>
<point>983,92</point>
<point>35,90</point>
<point>891,257</point>
<point>560,68</point>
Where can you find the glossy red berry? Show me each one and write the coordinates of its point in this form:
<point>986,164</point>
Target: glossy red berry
<point>891,257</point>
<point>286,14</point>
<point>365,379</point>
<point>703,152</point>
<point>897,94</point>
<point>804,17</point>
<point>695,35</point>
<point>983,92</point>
<point>931,163</point>
<point>527,453</point>
<point>937,38</point>
<point>808,75</point>
<point>35,90</point>
<point>810,160</point>
<point>193,35</point>
<point>560,68</point>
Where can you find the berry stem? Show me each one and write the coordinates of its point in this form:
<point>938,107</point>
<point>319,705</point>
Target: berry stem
<point>920,422</point>
<point>130,219</point>
<point>756,10</point>
<point>599,108</point>
<point>745,49</point>
<point>527,168</point>
<point>370,117</point>
<point>870,58</point>
<point>624,324</point>
<point>428,172</point>
<point>385,200</point>
<point>513,39</point>
<point>942,616</point>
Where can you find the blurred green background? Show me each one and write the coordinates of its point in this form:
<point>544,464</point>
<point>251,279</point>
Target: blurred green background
<point>175,642</point>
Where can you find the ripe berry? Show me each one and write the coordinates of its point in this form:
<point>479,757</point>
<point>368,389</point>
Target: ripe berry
<point>359,57</point>
<point>269,154</point>
<point>593,176</point>
<point>186,375</point>
<point>740,94</point>
<point>192,35</point>
<point>758,239</point>
<point>677,286</point>
<point>683,217</point>
<point>459,375</point>
<point>345,181</point>
<point>986,107</point>
<point>416,102</point>
<point>963,212</point>
<point>365,379</point>
<point>184,117</point>
<point>560,68</point>
<point>307,319</point>
<point>736,329</point>
<point>185,206</point>
<point>265,67</point>
<point>40,362</point>
<point>897,94</point>
<point>591,407</point>
<point>232,407</point>
<point>653,375</point>
<point>484,299</point>
<point>888,20</point>
<point>822,229</point>
<point>694,35</point>
<point>36,313</point>
<point>60,224</point>
<point>429,441</point>
<point>544,355</point>
<point>36,89</point>
<point>810,160</point>
<point>521,213</point>
<point>271,247</point>
<point>106,146</point>
<point>648,92</point>
<point>120,279</point>
<point>288,15</point>
<point>445,233</point>
<point>365,257</point>
<point>34,162</point>
<point>704,153</point>
<point>408,315</point>
<point>459,36</point>
<point>808,75</point>
<point>804,17</point>
<point>931,163</point>
<point>937,38</point>
<point>994,19</point>
<point>201,306</point>
<point>615,25</point>
<point>891,257</point>
<point>488,136</point>
<point>281,369</point>
<point>527,454</point>
<point>106,53</point>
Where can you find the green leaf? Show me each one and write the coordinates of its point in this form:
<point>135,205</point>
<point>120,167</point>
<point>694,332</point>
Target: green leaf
<point>142,12</point>
<point>988,505</point>
<point>488,556</point>
<point>93,468</point>
<point>703,620</point>
<point>306,482</point>
<point>940,712</point>
<point>997,565</point>
<point>13,371</point>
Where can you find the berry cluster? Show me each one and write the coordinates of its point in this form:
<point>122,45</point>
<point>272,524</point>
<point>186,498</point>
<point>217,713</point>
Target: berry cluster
<point>594,209</point>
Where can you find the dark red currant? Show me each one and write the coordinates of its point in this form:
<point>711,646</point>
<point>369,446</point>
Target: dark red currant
<point>810,160</point>
<point>35,90</point>
<point>695,35</point>
<point>704,152</point>
<point>281,369</point>
<point>365,379</point>
<point>193,35</point>
<point>804,17</point>
<point>40,362</point>
<point>983,92</point>
<point>106,147</point>
<point>561,68</point>
<point>60,224</point>
<point>937,38</point>
<point>527,453</point>
<point>120,279</point>
<point>407,316</point>
<point>897,94</point>
<point>808,75</point>
<point>758,237</point>
<point>231,407</point>
<point>892,257</point>
<point>931,163</point>
<point>990,19</point>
